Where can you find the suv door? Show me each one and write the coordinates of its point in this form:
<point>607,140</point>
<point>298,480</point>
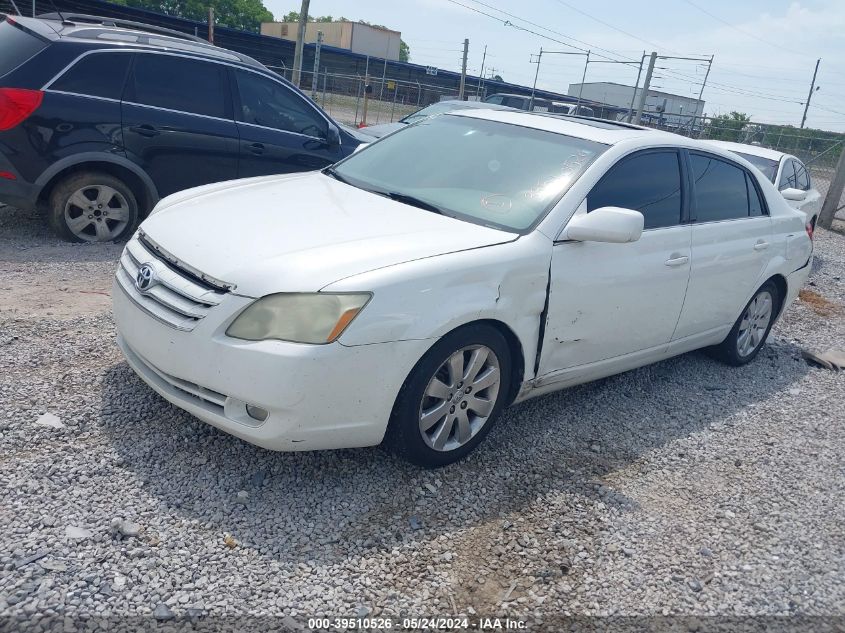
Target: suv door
<point>730,245</point>
<point>177,121</point>
<point>612,300</point>
<point>280,131</point>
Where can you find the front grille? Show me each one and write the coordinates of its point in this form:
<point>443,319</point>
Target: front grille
<point>176,298</point>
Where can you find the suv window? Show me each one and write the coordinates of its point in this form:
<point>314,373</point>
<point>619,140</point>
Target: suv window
<point>270,104</point>
<point>802,178</point>
<point>495,99</point>
<point>721,189</point>
<point>16,46</point>
<point>787,176</point>
<point>178,83</point>
<point>648,182</point>
<point>97,75</point>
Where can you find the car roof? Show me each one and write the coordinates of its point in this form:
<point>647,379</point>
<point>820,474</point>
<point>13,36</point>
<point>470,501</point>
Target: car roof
<point>754,150</point>
<point>109,32</point>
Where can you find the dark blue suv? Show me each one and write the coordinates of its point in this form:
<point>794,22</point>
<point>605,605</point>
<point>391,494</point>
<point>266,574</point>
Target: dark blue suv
<point>99,119</point>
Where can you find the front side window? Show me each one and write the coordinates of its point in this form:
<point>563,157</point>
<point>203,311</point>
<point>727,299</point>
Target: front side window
<point>96,75</point>
<point>649,183</point>
<point>495,99</point>
<point>787,176</point>
<point>486,172</point>
<point>802,178</point>
<point>270,104</point>
<point>721,190</point>
<point>179,83</point>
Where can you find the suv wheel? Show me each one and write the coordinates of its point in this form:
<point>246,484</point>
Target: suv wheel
<point>93,207</point>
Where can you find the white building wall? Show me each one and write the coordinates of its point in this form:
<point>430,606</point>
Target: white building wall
<point>621,96</point>
<point>367,40</point>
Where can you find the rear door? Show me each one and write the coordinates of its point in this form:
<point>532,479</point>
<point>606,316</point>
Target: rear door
<point>177,121</point>
<point>280,131</point>
<point>731,237</point>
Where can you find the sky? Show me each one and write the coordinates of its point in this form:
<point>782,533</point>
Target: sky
<point>765,51</point>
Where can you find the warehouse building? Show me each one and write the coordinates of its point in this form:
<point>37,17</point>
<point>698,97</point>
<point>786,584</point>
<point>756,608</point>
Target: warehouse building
<point>351,36</point>
<point>663,107</point>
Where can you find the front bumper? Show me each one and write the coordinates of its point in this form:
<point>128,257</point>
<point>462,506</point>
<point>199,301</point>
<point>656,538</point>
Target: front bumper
<point>318,396</point>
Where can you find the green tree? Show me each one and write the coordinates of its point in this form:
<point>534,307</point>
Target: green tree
<point>729,127</point>
<point>404,51</point>
<point>497,78</point>
<point>246,15</point>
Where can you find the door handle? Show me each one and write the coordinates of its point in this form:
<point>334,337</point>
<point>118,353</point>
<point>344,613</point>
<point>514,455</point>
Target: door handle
<point>256,148</point>
<point>145,130</point>
<point>677,259</point>
<point>761,245</point>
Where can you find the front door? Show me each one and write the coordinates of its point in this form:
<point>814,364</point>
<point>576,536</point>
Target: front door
<point>177,121</point>
<point>280,130</point>
<point>612,300</point>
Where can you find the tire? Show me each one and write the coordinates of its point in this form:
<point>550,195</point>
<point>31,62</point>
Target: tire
<point>92,206</point>
<point>461,418</point>
<point>745,339</point>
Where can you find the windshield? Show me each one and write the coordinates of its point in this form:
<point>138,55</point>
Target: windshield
<point>486,172</point>
<point>767,166</point>
<point>433,109</point>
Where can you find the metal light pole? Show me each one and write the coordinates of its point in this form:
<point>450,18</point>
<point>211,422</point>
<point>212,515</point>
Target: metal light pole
<point>581,88</point>
<point>646,85</point>
<point>636,85</point>
<point>463,71</point>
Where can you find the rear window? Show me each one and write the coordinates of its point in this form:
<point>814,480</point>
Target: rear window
<point>17,46</point>
<point>767,166</point>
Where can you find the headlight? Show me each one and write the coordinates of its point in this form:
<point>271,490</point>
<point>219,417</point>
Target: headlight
<point>298,317</point>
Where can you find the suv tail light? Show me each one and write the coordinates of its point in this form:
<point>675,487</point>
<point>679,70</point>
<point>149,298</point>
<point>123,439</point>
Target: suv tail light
<point>809,228</point>
<point>16,104</point>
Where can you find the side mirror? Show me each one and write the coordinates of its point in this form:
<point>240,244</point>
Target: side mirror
<point>606,224</point>
<point>333,136</point>
<point>792,193</point>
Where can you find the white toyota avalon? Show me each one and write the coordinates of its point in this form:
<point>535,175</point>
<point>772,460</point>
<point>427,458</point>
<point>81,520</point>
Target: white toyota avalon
<point>412,291</point>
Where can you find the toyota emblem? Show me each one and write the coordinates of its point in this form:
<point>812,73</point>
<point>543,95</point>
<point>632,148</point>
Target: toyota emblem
<point>146,278</point>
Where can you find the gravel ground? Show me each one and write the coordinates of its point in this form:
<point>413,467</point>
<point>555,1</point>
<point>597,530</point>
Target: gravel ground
<point>684,488</point>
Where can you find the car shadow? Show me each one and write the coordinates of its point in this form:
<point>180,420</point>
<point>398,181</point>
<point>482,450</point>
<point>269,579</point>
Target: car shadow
<point>366,498</point>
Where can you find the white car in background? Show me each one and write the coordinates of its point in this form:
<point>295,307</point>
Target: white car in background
<point>476,259</point>
<point>784,170</point>
<point>435,109</point>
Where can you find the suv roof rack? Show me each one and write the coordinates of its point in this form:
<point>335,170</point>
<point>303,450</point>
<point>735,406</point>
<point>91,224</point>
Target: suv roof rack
<point>81,18</point>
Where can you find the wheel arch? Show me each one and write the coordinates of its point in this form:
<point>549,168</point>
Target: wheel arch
<point>780,283</point>
<point>135,178</point>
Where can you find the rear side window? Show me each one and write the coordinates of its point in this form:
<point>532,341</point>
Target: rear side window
<point>787,176</point>
<point>755,203</point>
<point>17,46</point>
<point>178,83</point>
<point>97,75</point>
<point>721,190</point>
<point>802,178</point>
<point>649,183</point>
<point>496,99</point>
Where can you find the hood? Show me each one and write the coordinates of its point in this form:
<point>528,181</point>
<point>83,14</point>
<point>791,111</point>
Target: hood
<point>301,232</point>
<point>382,130</point>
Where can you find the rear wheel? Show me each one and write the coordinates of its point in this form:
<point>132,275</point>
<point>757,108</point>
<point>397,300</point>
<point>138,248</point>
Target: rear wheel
<point>93,207</point>
<point>751,329</point>
<point>452,397</point>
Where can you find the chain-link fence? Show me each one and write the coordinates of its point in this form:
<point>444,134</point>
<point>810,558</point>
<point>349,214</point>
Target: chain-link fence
<point>817,149</point>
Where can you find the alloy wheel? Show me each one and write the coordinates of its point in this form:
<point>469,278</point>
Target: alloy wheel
<point>97,213</point>
<point>755,321</point>
<point>460,398</point>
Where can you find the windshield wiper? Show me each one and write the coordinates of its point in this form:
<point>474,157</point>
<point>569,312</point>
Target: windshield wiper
<point>414,202</point>
<point>331,171</point>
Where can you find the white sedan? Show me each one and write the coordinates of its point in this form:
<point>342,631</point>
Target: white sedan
<point>412,291</point>
<point>787,172</point>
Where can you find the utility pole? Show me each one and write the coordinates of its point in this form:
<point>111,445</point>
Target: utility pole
<point>300,43</point>
<point>581,87</point>
<point>316,63</point>
<point>211,24</point>
<point>810,95</point>
<point>463,71</point>
<point>536,73</point>
<point>646,85</point>
<point>636,85</point>
<point>701,93</point>
<point>834,194</point>
<point>481,75</point>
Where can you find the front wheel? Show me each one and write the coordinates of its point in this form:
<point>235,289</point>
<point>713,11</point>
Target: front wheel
<point>93,206</point>
<point>452,397</point>
<point>751,329</point>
